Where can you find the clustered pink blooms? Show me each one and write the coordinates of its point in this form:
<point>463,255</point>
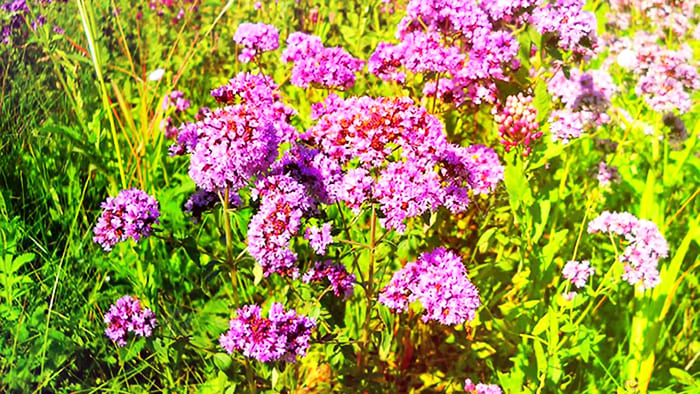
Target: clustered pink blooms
<point>131,214</point>
<point>319,238</point>
<point>438,279</point>
<point>645,246</point>
<point>574,29</point>
<point>256,38</point>
<point>415,168</point>
<point>675,16</point>
<point>481,388</point>
<point>455,40</point>
<point>578,272</point>
<point>607,174</point>
<point>127,315</point>
<point>262,93</point>
<point>176,102</point>
<point>343,283</point>
<point>585,97</point>
<point>230,146</point>
<point>665,78</point>
<point>282,336</point>
<point>319,66</point>
<point>517,123</point>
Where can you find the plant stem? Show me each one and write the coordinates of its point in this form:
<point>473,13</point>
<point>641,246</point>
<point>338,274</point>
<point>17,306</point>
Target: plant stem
<point>229,246</point>
<point>370,285</point>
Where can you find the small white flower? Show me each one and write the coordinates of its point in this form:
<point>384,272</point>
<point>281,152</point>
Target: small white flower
<point>627,59</point>
<point>156,75</point>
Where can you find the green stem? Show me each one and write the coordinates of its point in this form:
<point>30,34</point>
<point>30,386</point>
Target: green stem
<point>369,286</point>
<point>229,246</point>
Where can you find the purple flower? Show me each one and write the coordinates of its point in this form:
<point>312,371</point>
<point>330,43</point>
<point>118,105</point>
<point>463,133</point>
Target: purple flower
<point>131,214</point>
<point>407,189</point>
<point>574,28</point>
<point>319,238</point>
<point>316,65</point>
<point>565,125</point>
<point>607,174</point>
<point>283,336</point>
<point>256,38</point>
<point>127,315</point>
<point>261,94</point>
<point>270,231</point>
<point>343,283</point>
<point>517,123</point>
<point>234,144</point>
<point>645,246</point>
<point>439,281</point>
<point>481,388</point>
<point>386,61</point>
<point>578,272</point>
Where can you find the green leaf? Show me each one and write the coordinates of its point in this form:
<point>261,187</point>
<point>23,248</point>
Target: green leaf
<point>542,101</point>
<point>258,274</point>
<point>222,361</point>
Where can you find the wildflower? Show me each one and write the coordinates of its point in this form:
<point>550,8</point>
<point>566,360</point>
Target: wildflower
<point>574,28</point>
<point>481,388</point>
<point>131,214</point>
<point>282,336</point>
<point>256,38</point>
<point>316,65</point>
<point>234,144</point>
<point>343,283</point>
<point>578,272</point>
<point>517,123</point>
<point>319,238</point>
<point>645,246</point>
<point>283,203</point>
<point>607,174</point>
<point>439,281</point>
<point>127,315</point>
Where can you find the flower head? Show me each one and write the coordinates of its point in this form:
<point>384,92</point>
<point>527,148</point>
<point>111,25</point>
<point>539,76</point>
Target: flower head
<point>256,38</point>
<point>281,336</point>
<point>578,272</point>
<point>131,214</point>
<point>343,283</point>
<point>439,281</point>
<point>127,315</point>
<point>645,246</point>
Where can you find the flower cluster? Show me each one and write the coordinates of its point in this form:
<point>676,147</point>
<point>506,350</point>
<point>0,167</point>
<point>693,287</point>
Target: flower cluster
<point>231,145</point>
<point>256,38</point>
<point>585,97</point>
<point>131,214</point>
<point>234,144</point>
<point>319,238</point>
<point>176,102</point>
<point>319,66</point>
<point>262,93</point>
<point>578,272</point>
<point>343,283</point>
<point>645,246</point>
<point>574,28</point>
<point>665,78</point>
<point>439,281</point>
<point>282,336</point>
<point>607,174</point>
<point>456,40</point>
<point>481,388</point>
<point>517,123</point>
<point>127,315</point>
<point>416,168</point>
